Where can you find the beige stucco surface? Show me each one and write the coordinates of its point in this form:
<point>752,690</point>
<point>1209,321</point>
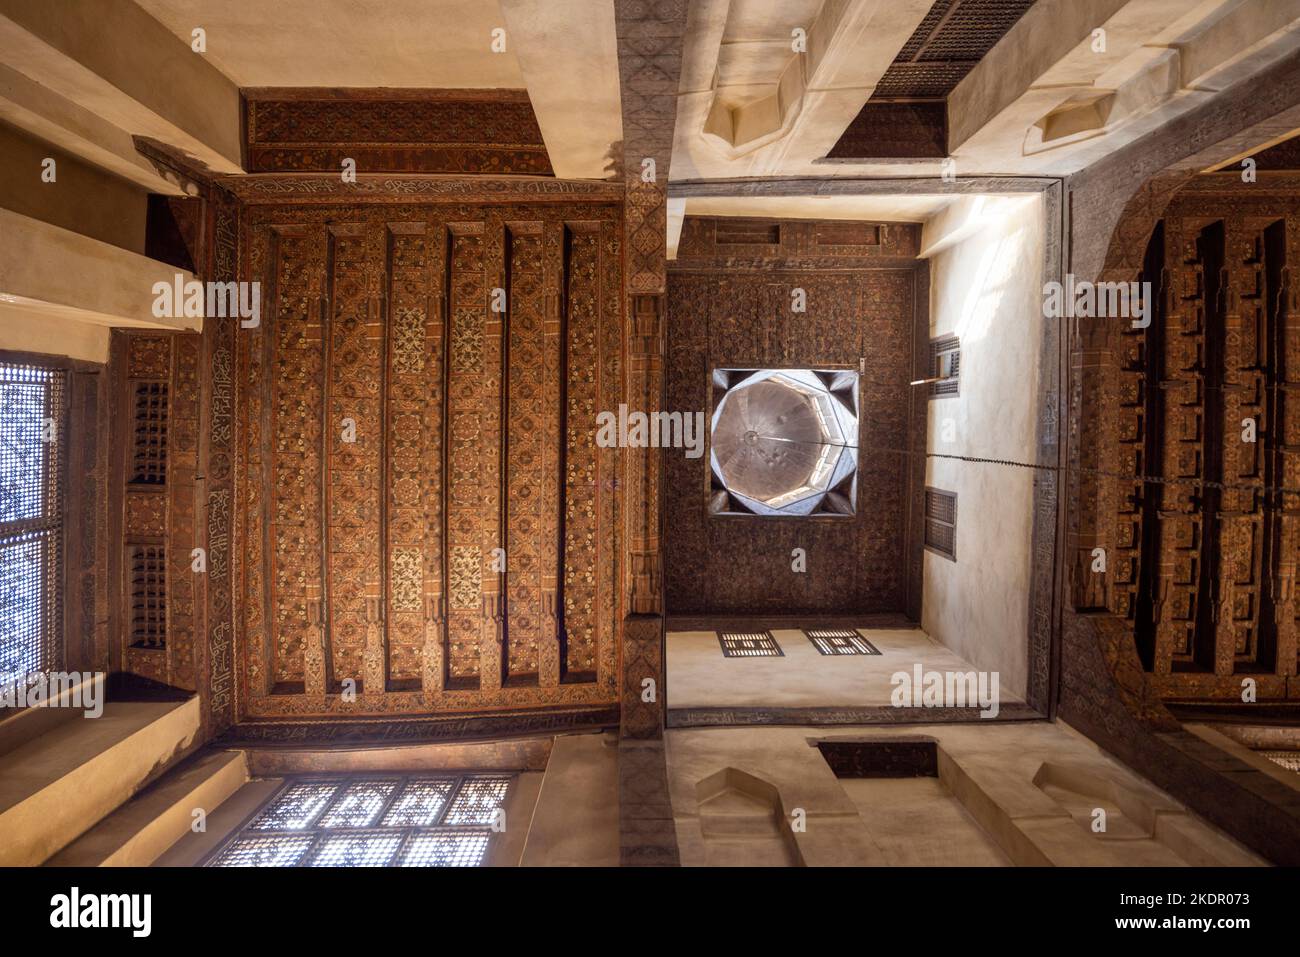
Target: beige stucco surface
<point>987,290</point>
<point>415,43</point>
<point>63,782</point>
<point>699,676</point>
<point>993,800</point>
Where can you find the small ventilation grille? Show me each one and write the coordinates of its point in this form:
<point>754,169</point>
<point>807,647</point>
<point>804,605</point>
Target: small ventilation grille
<point>839,641</point>
<point>941,522</point>
<point>149,434</point>
<point>147,567</point>
<point>749,644</point>
<point>945,366</point>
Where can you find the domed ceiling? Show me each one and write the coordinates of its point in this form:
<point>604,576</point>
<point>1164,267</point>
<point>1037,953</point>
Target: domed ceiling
<point>784,442</point>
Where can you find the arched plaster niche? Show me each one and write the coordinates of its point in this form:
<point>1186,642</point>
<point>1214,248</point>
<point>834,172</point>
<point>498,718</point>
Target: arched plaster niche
<point>743,823</point>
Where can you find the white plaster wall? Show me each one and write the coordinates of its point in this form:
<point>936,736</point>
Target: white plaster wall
<point>986,288</point>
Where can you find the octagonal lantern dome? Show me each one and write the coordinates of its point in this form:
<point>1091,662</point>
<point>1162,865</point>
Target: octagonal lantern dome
<point>784,442</point>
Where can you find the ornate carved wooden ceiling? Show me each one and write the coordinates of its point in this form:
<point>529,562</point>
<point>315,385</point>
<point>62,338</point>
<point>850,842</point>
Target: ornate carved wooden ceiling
<point>1202,551</point>
<point>954,36</point>
<point>906,116</point>
<point>729,295</point>
<point>392,131</point>
<point>402,491</point>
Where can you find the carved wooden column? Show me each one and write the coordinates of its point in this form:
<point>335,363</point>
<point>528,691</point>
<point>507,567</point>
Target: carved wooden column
<point>643,678</point>
<point>649,55</point>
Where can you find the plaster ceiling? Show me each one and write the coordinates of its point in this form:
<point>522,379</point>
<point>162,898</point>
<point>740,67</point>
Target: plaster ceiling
<point>757,46</point>
<point>399,43</point>
<point>1025,107</point>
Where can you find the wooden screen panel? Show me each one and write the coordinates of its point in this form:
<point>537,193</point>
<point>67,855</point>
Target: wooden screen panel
<point>384,315</point>
<point>158,388</point>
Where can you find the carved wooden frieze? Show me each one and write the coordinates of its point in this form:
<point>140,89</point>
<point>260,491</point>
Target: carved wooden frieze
<point>716,242</point>
<point>392,131</point>
<point>401,189</point>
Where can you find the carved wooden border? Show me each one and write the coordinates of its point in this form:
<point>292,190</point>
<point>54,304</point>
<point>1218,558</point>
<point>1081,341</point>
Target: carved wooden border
<point>299,188</point>
<point>415,730</point>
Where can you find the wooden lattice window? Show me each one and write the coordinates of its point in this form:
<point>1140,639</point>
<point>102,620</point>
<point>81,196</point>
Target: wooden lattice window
<point>941,522</point>
<point>373,821</point>
<point>945,366</point>
<point>33,438</point>
<point>149,433</point>
<point>147,585</point>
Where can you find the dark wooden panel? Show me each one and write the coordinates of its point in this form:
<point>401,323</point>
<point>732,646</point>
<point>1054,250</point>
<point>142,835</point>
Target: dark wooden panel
<point>393,131</point>
<point>157,592</point>
<point>735,310</point>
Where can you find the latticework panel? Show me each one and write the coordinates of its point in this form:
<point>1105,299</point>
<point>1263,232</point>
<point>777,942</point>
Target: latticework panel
<point>147,595</point>
<point>945,365</point>
<point>941,522</point>
<point>32,440</point>
<point>424,821</point>
<point>947,44</point>
<point>149,433</point>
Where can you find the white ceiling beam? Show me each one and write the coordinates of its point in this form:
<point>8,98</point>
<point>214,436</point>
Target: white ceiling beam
<point>53,272</point>
<point>568,54</point>
<point>116,62</point>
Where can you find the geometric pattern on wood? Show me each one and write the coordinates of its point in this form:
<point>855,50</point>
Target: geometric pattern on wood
<point>1200,565</point>
<point>157,602</point>
<point>393,131</point>
<point>403,521</point>
<point>731,307</point>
